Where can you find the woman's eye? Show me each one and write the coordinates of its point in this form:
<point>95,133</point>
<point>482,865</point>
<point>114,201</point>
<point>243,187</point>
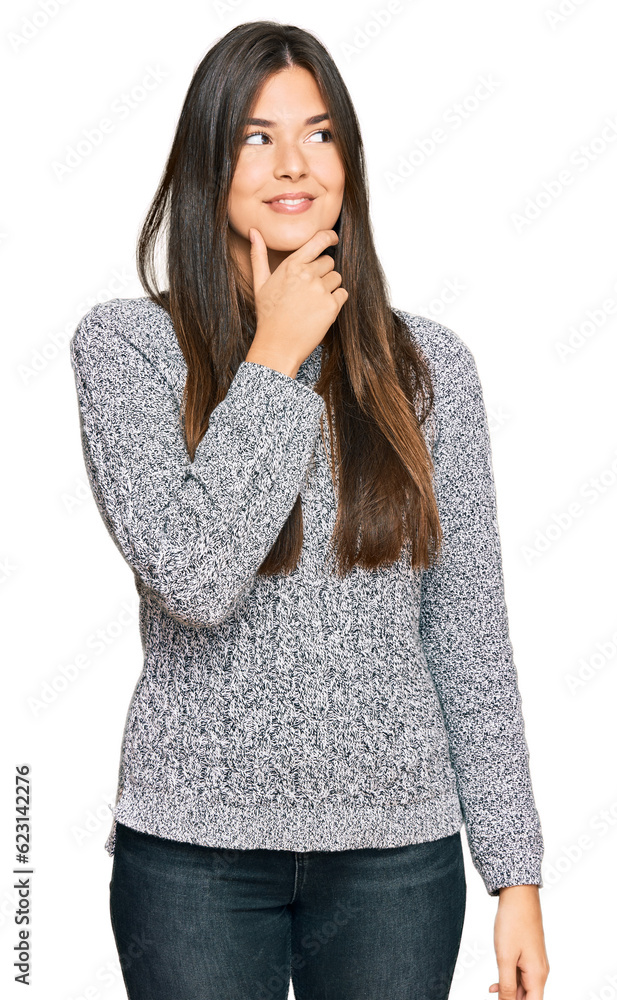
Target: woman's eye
<point>324,131</point>
<point>252,136</point>
<point>257,135</point>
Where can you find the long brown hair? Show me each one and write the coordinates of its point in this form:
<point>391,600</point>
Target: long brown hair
<point>374,380</point>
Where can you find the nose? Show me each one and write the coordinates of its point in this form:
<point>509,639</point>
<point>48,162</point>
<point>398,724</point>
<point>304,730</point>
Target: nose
<point>291,162</point>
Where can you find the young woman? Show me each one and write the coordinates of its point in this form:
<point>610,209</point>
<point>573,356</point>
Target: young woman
<point>328,690</point>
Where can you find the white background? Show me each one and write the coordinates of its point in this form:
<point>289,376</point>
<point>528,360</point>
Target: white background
<point>533,267</point>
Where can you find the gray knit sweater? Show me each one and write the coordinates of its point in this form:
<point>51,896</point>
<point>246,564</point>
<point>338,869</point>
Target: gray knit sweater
<point>302,712</point>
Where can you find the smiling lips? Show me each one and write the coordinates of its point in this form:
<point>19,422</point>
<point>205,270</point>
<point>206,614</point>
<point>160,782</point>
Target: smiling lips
<point>291,204</point>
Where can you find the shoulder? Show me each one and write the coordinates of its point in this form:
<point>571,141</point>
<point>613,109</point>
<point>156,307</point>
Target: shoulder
<point>458,395</point>
<point>440,344</point>
<point>138,320</point>
<point>451,362</point>
<point>108,328</point>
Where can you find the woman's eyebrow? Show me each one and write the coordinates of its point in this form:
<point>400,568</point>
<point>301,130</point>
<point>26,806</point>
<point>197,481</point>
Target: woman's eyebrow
<point>314,120</point>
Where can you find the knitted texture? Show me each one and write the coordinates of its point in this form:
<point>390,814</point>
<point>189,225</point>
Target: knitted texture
<point>302,712</point>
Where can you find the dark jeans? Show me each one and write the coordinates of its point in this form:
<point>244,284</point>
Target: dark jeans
<point>209,923</point>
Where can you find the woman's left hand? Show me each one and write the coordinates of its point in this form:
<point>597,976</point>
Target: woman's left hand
<point>519,945</point>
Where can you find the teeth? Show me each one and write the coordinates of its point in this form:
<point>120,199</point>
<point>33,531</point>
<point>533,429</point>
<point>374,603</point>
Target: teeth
<point>289,201</point>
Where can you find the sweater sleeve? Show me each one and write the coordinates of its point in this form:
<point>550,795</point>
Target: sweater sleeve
<point>465,635</point>
<point>194,533</point>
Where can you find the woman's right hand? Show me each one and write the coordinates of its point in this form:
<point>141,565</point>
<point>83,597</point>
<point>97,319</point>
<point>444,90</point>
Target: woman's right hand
<point>296,304</point>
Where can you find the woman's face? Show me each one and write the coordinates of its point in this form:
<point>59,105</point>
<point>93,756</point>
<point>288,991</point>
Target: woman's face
<point>288,155</point>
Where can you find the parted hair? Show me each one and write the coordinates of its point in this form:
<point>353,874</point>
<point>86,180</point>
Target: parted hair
<point>374,379</point>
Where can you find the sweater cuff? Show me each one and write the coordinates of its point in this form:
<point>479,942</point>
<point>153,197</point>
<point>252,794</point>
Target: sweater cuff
<point>254,380</point>
<point>528,873</point>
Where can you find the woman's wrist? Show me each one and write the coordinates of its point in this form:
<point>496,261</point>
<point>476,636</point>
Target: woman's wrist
<point>286,366</point>
<point>519,890</point>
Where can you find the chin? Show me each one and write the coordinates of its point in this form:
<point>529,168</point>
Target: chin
<point>293,238</point>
